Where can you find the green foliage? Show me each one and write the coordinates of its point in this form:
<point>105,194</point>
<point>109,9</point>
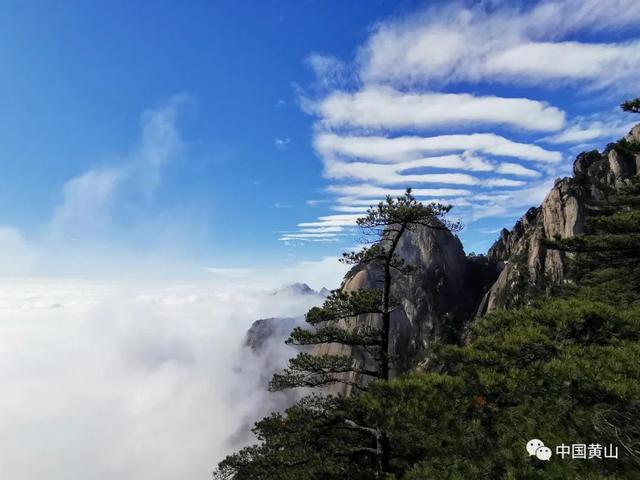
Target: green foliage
<point>406,211</point>
<point>624,146</point>
<point>613,233</point>
<point>341,305</point>
<point>307,370</point>
<point>330,323</point>
<point>309,441</point>
<point>631,105</point>
<point>550,371</point>
<point>565,369</point>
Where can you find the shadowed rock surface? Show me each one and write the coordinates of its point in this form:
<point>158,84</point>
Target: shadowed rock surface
<point>269,329</point>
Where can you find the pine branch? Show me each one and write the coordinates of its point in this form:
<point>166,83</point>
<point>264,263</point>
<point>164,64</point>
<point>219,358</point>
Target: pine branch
<point>362,336</point>
<point>623,243</point>
<point>341,305</point>
<point>307,370</point>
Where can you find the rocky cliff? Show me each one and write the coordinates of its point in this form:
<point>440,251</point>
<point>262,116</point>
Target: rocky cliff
<point>527,265</point>
<point>448,289</point>
<point>265,330</point>
<point>436,299</point>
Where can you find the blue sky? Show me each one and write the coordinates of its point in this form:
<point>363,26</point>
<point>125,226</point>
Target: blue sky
<point>247,134</point>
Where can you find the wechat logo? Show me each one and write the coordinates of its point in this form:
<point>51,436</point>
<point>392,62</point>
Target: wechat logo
<point>536,447</point>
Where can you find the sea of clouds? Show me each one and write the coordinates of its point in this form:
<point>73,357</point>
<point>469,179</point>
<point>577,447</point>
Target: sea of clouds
<point>104,380</point>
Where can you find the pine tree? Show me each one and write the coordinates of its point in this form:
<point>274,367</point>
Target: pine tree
<point>563,369</point>
<point>327,437</point>
<point>383,226</point>
<point>309,440</point>
<point>612,236</point>
<point>632,106</point>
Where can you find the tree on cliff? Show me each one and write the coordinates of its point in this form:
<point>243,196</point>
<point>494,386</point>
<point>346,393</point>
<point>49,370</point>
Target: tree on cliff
<point>612,237</point>
<point>563,369</point>
<point>632,106</point>
<point>360,442</point>
<point>383,226</point>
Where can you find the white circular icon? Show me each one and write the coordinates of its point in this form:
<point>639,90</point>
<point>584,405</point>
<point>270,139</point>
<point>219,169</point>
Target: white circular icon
<point>543,453</point>
<point>533,445</point>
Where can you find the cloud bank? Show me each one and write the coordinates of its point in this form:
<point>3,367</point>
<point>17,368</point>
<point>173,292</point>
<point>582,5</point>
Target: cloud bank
<point>108,381</point>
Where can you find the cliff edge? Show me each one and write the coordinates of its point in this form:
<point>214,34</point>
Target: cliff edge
<point>526,264</point>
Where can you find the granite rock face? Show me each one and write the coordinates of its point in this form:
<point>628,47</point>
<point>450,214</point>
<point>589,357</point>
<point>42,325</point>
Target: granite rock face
<point>269,329</point>
<point>436,299</point>
<point>527,263</point>
<point>441,298</point>
<point>634,135</point>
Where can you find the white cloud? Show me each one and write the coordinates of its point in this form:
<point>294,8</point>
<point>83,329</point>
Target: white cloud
<point>366,190</point>
<point>465,161</point>
<point>517,169</point>
<point>87,202</point>
<point>329,71</point>
<point>17,254</point>
<point>87,199</point>
<point>553,18</point>
<point>332,221</point>
<point>85,234</point>
<point>603,64</point>
<point>322,230</point>
<point>327,272</point>
<point>384,129</point>
<point>314,202</point>
<point>133,381</point>
<point>282,143</point>
<point>404,148</point>
<point>394,174</point>
<point>160,142</point>
<point>230,272</point>
<point>308,236</point>
<point>586,129</point>
<point>360,205</point>
<point>362,209</point>
<point>453,44</point>
<point>280,206</point>
<point>384,107</point>
<point>509,203</point>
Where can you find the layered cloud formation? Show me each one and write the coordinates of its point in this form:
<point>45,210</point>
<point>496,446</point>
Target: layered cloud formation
<point>458,103</point>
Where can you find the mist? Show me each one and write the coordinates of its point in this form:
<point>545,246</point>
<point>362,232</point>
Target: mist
<point>129,380</point>
<point>112,365</point>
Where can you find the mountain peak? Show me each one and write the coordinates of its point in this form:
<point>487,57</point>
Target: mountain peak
<point>297,288</point>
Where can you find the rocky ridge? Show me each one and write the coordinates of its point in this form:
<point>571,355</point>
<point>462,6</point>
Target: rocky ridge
<point>526,263</point>
<point>448,289</point>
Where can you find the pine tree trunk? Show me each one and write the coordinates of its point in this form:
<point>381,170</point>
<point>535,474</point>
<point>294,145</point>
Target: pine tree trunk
<point>386,307</point>
<point>383,446</point>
